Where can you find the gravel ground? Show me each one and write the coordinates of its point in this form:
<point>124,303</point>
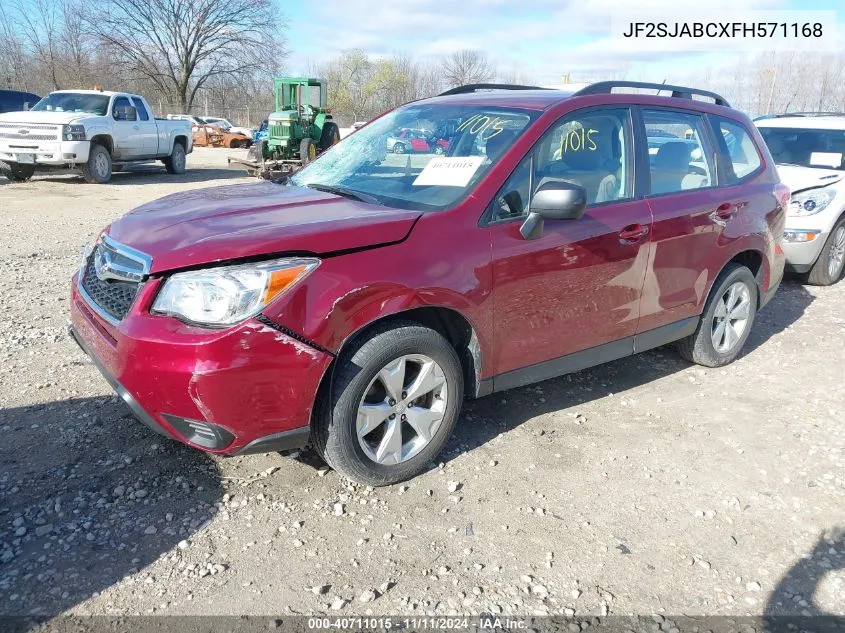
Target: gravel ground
<point>644,486</point>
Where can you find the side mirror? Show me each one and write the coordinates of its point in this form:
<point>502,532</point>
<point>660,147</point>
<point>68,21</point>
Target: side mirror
<point>125,113</point>
<point>553,201</point>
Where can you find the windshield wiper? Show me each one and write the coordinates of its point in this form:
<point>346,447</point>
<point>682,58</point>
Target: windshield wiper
<point>346,193</point>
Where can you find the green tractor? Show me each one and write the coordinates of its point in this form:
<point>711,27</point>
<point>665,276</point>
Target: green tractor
<point>296,132</point>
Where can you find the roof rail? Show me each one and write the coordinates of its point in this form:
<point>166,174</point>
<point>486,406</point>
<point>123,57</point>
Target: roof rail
<point>680,92</point>
<point>477,87</point>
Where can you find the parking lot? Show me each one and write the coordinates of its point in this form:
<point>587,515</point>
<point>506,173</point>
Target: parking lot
<point>646,486</point>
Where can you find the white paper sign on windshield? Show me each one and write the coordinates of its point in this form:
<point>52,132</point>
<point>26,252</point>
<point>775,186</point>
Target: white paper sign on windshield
<point>828,159</point>
<point>449,171</point>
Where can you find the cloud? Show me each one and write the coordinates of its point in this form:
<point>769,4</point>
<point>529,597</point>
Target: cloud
<point>543,38</point>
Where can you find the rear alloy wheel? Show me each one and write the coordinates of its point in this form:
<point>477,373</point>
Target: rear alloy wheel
<point>395,399</point>
<point>730,319</point>
<point>726,320</point>
<point>828,267</point>
<point>398,148</point>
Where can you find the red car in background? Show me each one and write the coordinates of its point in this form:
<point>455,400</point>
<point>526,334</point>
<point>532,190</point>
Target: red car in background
<point>354,304</point>
<point>416,141</point>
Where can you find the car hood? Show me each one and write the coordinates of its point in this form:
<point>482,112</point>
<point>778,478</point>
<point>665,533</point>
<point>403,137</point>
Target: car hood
<point>55,118</point>
<point>799,178</point>
<point>202,226</point>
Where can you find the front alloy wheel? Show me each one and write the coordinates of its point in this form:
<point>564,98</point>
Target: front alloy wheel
<point>836,256</point>
<point>828,267</point>
<point>390,405</point>
<point>402,409</point>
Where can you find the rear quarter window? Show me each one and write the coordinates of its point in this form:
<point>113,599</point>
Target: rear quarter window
<point>737,150</point>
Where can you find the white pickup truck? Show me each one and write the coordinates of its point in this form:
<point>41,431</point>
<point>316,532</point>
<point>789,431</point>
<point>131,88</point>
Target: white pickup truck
<point>95,131</point>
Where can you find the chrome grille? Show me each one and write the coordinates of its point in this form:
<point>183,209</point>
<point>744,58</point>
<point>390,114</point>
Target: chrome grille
<point>114,297</point>
<point>111,278</point>
<point>29,132</point>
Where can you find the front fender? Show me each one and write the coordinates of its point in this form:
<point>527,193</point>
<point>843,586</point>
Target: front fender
<point>349,292</point>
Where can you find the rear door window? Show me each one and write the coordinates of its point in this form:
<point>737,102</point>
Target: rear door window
<point>677,151</point>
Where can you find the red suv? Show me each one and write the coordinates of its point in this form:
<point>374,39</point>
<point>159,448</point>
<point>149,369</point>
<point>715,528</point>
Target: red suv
<point>355,304</point>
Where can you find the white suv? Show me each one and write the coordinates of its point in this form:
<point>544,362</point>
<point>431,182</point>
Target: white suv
<point>809,150</point>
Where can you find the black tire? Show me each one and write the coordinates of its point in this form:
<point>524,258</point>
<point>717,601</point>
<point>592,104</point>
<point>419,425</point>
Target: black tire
<point>698,347</point>
<point>821,273</point>
<point>334,434</point>
<point>398,148</point>
<point>329,136</point>
<point>176,162</point>
<point>16,172</point>
<point>98,169</point>
<point>307,150</point>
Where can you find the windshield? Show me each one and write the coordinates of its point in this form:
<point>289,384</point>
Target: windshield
<point>73,102</point>
<point>421,156</point>
<point>806,147</point>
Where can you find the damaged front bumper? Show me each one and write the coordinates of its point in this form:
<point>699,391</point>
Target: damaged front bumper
<point>246,389</point>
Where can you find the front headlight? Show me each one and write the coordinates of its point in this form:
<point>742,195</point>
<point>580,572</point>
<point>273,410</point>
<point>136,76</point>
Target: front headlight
<point>73,132</point>
<point>811,202</point>
<point>229,294</point>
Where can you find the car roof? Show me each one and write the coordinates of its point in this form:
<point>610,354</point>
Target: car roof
<point>105,93</point>
<point>542,98</point>
<point>8,93</point>
<point>805,121</point>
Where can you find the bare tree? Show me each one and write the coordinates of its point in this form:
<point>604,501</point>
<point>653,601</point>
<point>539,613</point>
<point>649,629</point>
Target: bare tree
<point>180,45</point>
<point>467,67</point>
<point>13,61</point>
<point>77,48</point>
<point>42,23</point>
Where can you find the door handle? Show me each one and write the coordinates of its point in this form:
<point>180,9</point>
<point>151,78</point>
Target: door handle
<point>633,233</point>
<point>135,127</point>
<point>724,211</point>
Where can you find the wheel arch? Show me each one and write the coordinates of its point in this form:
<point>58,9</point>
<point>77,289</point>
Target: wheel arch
<point>751,258</point>
<point>105,140</point>
<point>454,326</point>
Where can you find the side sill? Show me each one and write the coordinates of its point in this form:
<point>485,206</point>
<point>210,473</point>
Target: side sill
<point>591,357</point>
